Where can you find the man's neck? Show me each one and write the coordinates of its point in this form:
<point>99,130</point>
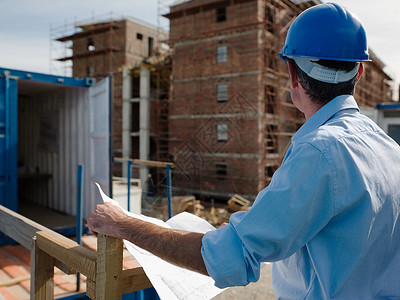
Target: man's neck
<point>305,104</point>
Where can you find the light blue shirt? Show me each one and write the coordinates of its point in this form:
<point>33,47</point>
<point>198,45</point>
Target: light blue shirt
<point>329,218</point>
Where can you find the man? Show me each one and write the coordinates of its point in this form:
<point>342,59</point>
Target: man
<point>329,219</point>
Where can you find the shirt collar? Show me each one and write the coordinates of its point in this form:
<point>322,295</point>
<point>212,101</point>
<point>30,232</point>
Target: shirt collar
<point>325,113</point>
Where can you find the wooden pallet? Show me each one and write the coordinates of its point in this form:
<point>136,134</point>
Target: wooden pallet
<point>238,203</point>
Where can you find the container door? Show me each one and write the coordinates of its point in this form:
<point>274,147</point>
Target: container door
<point>99,133</point>
<point>8,142</point>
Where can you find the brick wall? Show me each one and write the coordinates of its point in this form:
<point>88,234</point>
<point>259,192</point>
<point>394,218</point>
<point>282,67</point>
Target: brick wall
<point>206,164</point>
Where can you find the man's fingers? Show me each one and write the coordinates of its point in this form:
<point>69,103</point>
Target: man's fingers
<point>105,219</point>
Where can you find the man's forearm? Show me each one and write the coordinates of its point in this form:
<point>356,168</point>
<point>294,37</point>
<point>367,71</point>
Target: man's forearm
<point>181,248</point>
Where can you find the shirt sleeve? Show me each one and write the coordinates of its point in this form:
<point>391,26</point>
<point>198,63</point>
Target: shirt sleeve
<point>287,214</point>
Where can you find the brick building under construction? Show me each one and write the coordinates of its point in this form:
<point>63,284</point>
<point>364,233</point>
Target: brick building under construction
<point>225,118</point>
<point>231,115</point>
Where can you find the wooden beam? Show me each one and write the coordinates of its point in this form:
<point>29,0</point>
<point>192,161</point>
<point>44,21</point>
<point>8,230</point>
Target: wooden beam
<point>18,227</point>
<point>67,252</point>
<point>133,280</point>
<point>142,162</point>
<point>90,288</point>
<point>151,163</point>
<point>42,270</point>
<point>64,268</point>
<point>109,268</point>
<point>14,281</point>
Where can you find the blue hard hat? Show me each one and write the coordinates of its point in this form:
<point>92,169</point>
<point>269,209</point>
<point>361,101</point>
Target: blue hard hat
<point>326,31</point>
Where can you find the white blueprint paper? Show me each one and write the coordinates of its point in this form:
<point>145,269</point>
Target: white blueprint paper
<point>170,281</point>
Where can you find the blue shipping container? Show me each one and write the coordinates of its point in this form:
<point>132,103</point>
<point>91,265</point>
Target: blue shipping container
<point>48,126</point>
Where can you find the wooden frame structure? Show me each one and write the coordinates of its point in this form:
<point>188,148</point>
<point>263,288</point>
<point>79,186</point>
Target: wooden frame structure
<point>106,280</point>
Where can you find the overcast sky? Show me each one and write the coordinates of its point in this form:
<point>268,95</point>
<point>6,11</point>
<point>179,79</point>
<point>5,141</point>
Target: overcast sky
<point>25,26</point>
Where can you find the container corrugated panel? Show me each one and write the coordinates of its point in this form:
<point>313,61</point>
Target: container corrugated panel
<point>55,136</point>
<point>58,155</point>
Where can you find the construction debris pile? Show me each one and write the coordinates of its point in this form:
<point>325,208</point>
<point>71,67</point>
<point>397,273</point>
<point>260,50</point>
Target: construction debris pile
<point>215,213</point>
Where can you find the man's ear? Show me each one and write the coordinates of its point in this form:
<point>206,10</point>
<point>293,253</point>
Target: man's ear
<point>294,78</point>
<point>360,71</point>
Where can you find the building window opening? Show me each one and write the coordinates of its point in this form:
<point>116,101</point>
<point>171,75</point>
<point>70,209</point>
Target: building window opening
<point>150,45</point>
<point>270,97</point>
<point>269,171</point>
<point>90,45</point>
<point>269,18</point>
<point>222,54</point>
<point>271,142</point>
<point>135,117</point>
<point>139,36</point>
<point>221,170</point>
<point>135,84</point>
<point>222,92</point>
<point>271,60</point>
<point>221,14</point>
<point>222,132</point>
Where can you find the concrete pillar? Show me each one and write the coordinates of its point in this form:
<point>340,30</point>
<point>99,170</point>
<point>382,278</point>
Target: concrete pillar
<point>144,124</point>
<point>126,117</point>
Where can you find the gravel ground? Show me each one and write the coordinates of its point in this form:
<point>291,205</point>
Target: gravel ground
<point>254,291</point>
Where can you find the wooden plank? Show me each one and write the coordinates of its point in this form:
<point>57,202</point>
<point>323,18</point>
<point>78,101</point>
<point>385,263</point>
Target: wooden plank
<point>109,268</point>
<point>150,163</point>
<point>14,281</point>
<point>133,280</point>
<point>67,252</point>
<point>42,270</point>
<point>18,227</point>
<point>237,203</point>
<point>90,288</point>
<point>63,267</point>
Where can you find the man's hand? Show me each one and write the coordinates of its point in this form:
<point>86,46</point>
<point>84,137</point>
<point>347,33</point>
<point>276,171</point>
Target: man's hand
<point>182,248</point>
<point>107,219</point>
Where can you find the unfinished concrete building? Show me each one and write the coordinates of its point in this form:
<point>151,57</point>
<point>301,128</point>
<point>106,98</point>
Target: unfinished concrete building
<point>132,51</point>
<point>230,117</point>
